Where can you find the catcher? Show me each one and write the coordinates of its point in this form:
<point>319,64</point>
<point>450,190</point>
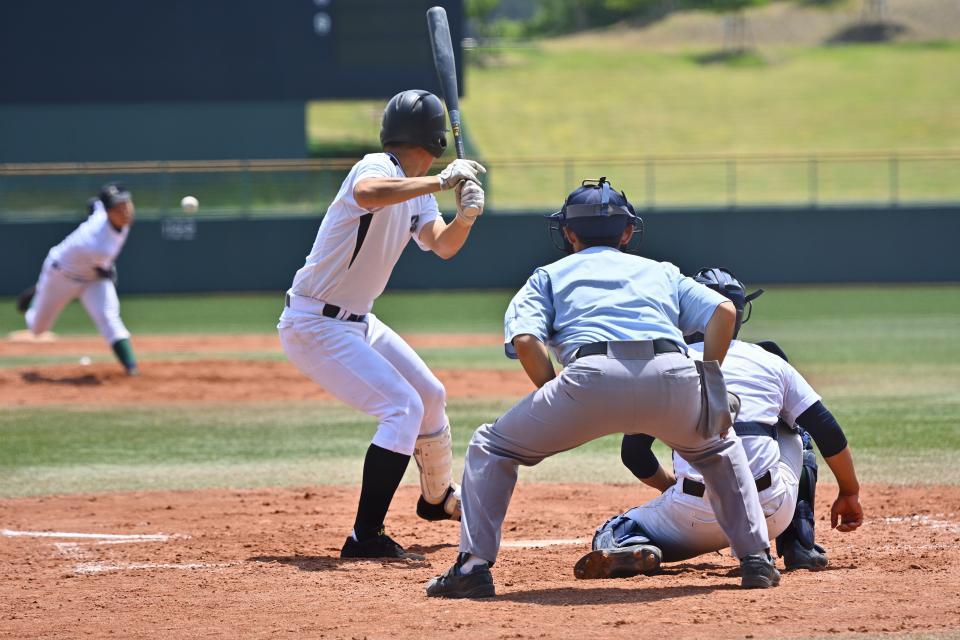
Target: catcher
<point>680,523</point>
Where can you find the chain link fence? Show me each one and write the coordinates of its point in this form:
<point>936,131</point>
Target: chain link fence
<point>305,187</point>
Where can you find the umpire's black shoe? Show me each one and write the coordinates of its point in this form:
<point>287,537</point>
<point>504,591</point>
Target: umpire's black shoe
<point>379,546</point>
<point>619,562</point>
<point>454,584</point>
<point>758,572</point>
<point>797,556</point>
<point>25,298</point>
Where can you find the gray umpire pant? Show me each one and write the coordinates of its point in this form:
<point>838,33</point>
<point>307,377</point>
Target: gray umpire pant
<point>629,390</point>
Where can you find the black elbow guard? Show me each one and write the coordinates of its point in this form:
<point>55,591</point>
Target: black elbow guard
<point>637,455</point>
<point>824,429</point>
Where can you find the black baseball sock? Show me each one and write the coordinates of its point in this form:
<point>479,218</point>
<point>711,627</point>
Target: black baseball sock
<point>382,472</point>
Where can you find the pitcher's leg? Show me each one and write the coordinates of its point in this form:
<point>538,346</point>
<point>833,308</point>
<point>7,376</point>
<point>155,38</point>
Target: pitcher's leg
<point>100,300</point>
<point>54,292</point>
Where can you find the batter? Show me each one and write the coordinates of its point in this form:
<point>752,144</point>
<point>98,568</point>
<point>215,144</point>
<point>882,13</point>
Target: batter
<point>82,266</point>
<point>328,331</point>
<point>616,321</point>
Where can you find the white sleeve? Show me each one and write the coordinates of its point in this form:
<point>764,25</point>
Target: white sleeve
<point>429,211</point>
<point>374,165</point>
<point>798,395</point>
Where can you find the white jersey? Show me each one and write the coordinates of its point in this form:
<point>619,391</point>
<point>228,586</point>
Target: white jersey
<point>356,249</point>
<point>770,389</point>
<point>95,243</point>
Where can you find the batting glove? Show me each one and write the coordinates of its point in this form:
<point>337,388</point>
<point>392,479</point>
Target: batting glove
<point>458,171</point>
<point>470,201</point>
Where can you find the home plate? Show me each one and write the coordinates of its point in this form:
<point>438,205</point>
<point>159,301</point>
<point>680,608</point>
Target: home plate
<point>539,544</point>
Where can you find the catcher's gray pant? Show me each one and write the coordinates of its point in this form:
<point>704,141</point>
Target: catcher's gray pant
<point>596,396</point>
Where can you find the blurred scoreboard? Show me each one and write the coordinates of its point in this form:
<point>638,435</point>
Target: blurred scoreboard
<point>129,51</point>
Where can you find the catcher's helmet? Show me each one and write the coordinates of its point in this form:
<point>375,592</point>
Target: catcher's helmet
<point>112,194</point>
<point>415,117</point>
<point>725,283</point>
<point>594,211</point>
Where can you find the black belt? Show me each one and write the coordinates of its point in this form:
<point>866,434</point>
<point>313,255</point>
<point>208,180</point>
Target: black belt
<point>696,489</point>
<point>333,311</point>
<point>755,429</point>
<point>660,345</point>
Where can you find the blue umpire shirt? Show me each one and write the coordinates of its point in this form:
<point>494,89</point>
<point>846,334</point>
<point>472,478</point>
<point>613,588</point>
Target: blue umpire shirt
<point>603,294</point>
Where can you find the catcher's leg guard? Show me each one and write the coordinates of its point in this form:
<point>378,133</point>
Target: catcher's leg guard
<point>796,545</point>
<point>440,496</point>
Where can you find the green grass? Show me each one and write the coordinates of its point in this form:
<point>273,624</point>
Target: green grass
<point>604,99</point>
<point>450,311</point>
<point>885,359</point>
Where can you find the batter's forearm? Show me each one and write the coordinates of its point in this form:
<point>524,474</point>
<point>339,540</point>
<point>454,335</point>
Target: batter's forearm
<point>451,239</point>
<point>719,332</point>
<point>535,359</point>
<point>373,193</point>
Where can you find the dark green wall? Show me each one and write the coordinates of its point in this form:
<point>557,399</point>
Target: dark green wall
<point>906,244</point>
<point>135,132</point>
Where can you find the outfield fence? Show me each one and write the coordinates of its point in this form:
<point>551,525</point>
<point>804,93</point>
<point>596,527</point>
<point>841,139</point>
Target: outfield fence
<point>255,188</point>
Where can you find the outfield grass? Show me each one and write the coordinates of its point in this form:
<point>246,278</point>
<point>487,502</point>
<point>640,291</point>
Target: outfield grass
<point>605,100</point>
<point>885,359</point>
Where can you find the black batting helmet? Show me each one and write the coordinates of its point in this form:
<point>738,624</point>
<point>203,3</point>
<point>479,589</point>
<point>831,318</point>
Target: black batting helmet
<point>725,283</point>
<point>594,211</point>
<point>415,117</point>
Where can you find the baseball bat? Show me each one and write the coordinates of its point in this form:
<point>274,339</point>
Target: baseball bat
<point>446,67</point>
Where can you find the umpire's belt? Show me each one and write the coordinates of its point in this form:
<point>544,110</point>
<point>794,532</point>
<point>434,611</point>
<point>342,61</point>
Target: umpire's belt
<point>660,345</point>
<point>696,489</point>
<point>311,305</point>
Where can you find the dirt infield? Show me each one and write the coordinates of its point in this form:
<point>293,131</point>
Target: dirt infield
<point>265,563</point>
<point>257,563</point>
<point>218,379</point>
<point>183,382</point>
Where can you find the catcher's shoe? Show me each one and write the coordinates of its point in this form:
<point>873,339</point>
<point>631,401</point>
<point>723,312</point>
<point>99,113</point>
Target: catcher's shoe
<point>454,584</point>
<point>25,298</point>
<point>758,572</point>
<point>797,556</point>
<point>379,546</point>
<point>447,509</point>
<point>619,562</point>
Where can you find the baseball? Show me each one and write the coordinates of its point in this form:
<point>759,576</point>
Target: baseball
<point>189,204</point>
<point>85,361</point>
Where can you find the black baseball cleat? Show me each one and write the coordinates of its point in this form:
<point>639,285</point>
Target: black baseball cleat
<point>619,562</point>
<point>758,572</point>
<point>448,509</point>
<point>25,298</point>
<point>379,546</point>
<point>796,556</point>
<point>454,584</point>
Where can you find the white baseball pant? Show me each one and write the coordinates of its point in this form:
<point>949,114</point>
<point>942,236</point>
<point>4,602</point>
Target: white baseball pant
<point>684,526</point>
<point>56,289</point>
<point>369,367</point>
